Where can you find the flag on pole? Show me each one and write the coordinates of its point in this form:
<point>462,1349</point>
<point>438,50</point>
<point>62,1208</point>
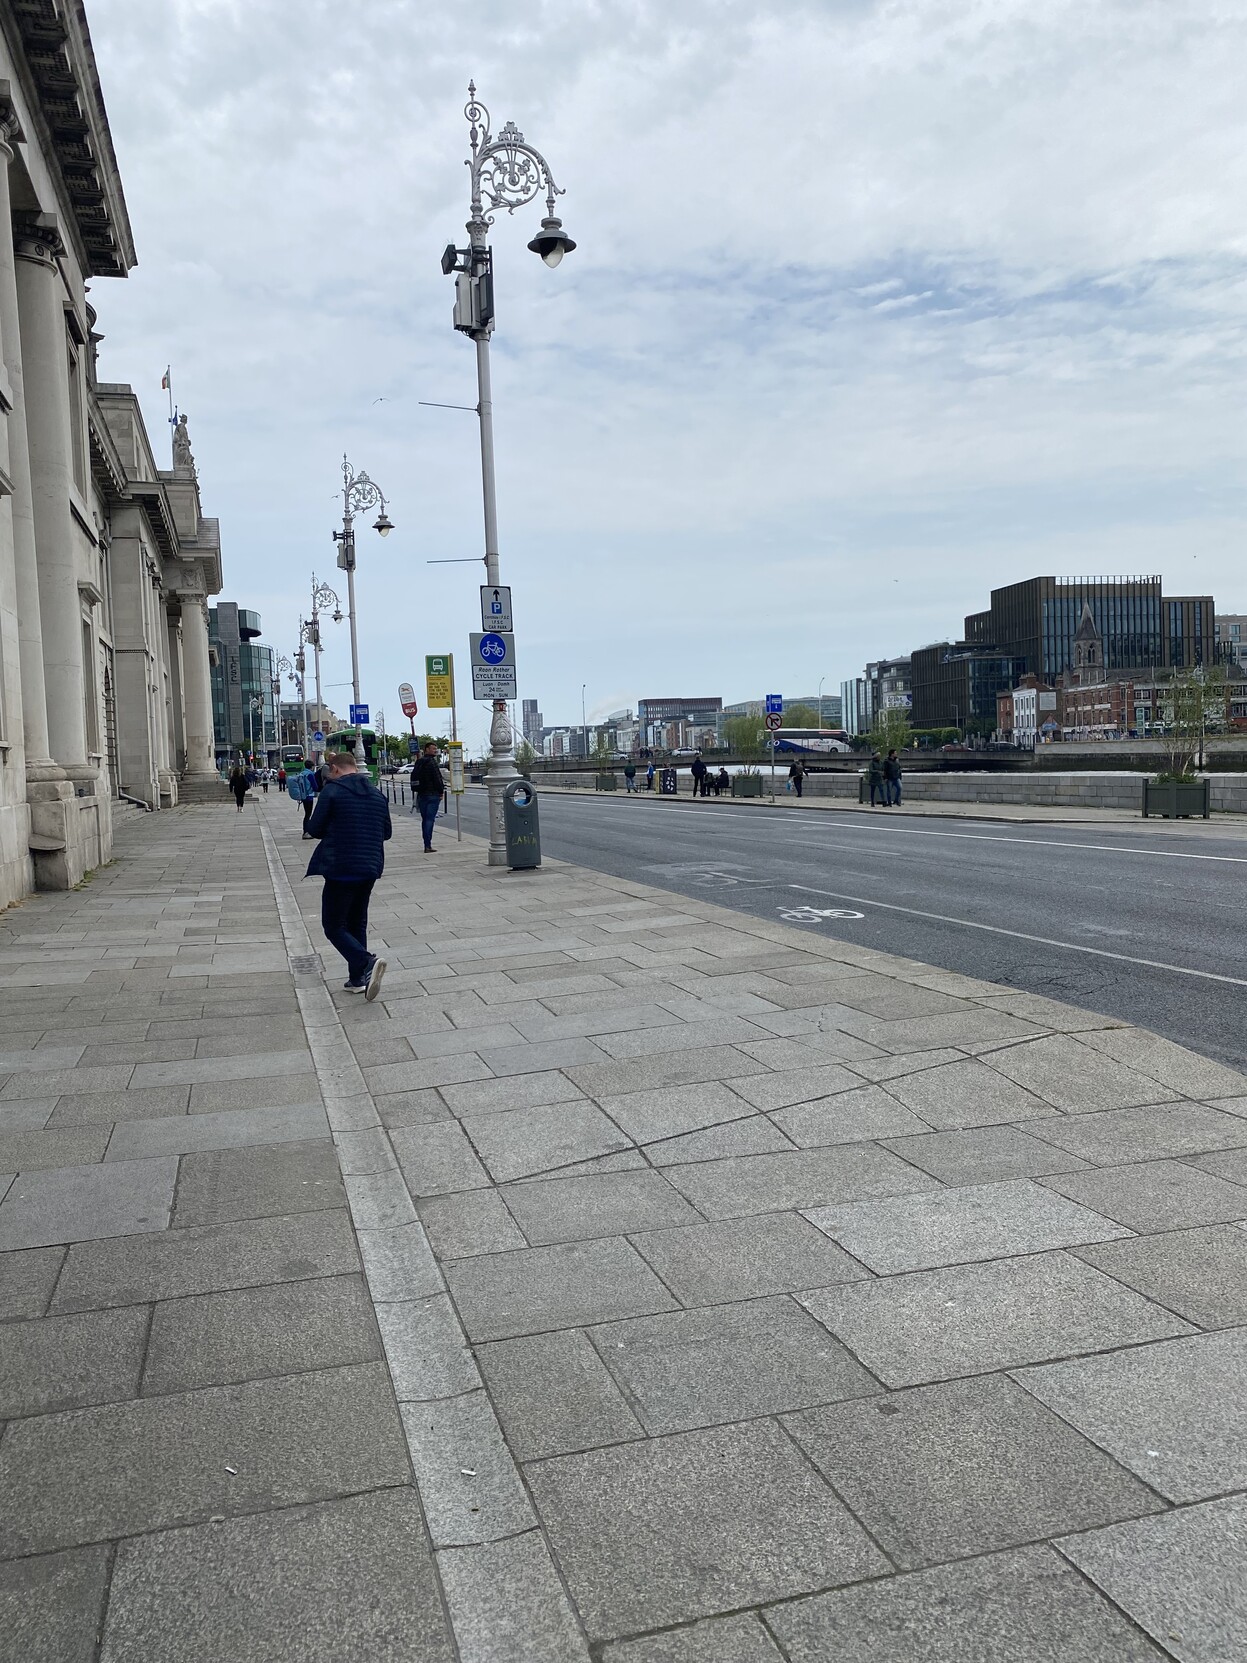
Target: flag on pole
<point>164,382</point>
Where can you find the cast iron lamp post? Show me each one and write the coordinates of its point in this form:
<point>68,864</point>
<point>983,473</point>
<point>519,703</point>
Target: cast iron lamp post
<point>322,597</point>
<point>506,172</point>
<point>358,492</point>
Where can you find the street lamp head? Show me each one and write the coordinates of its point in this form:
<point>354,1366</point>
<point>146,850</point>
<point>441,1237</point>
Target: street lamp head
<point>551,242</point>
<point>337,617</point>
<point>383,525</point>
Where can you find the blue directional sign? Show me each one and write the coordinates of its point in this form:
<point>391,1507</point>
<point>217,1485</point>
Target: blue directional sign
<point>493,665</point>
<point>775,704</point>
<point>359,715</point>
<point>318,738</point>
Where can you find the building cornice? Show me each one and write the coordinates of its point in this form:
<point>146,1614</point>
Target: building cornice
<point>52,47</point>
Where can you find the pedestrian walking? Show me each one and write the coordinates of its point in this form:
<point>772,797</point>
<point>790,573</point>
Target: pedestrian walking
<point>892,779</point>
<point>265,777</point>
<point>796,775</point>
<point>428,788</point>
<point>874,777</point>
<point>699,776</point>
<point>238,785</point>
<point>649,777</point>
<point>630,776</point>
<point>301,787</point>
<point>351,821</point>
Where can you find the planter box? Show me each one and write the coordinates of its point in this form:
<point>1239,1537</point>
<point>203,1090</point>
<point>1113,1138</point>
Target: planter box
<point>746,785</point>
<point>1176,799</point>
<point>605,782</point>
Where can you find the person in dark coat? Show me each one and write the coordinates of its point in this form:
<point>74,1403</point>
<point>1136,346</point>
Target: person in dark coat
<point>698,772</point>
<point>238,784</point>
<point>351,820</point>
<point>874,777</point>
<point>892,779</point>
<point>796,773</point>
<point>427,790</point>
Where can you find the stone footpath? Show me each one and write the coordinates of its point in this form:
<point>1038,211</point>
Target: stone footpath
<point>635,1282</point>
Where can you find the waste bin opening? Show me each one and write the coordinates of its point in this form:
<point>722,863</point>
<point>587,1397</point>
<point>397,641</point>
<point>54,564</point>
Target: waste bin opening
<point>522,794</point>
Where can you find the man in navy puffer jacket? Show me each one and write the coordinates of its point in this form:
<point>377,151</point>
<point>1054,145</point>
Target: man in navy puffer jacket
<point>352,821</point>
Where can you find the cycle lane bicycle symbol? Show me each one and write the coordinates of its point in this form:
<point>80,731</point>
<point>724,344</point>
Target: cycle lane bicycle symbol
<point>493,649</point>
<point>815,915</point>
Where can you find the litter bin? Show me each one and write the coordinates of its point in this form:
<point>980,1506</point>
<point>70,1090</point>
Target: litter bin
<point>519,821</point>
<point>667,781</point>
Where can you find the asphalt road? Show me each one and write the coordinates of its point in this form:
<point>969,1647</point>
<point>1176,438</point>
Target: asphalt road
<point>1141,922</point>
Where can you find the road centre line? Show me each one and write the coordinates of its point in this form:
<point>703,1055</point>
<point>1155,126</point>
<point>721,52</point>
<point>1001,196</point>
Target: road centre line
<point>978,837</point>
<point>1021,935</point>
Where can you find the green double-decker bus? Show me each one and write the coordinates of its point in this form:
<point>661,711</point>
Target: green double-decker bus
<point>344,740</point>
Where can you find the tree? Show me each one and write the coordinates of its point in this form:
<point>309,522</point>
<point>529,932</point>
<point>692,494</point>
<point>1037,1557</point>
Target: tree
<point>525,755</point>
<point>801,716</point>
<point>1193,705</point>
<point>746,737</point>
<point>603,752</point>
<point>890,731</point>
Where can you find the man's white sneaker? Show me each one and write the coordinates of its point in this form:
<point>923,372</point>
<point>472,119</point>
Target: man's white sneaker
<point>373,985</point>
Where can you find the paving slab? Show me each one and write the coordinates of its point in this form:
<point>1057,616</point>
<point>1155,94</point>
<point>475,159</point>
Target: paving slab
<point>506,1294</point>
<point>425,1349</point>
<point>747,1258</point>
<point>985,1155</point>
<point>667,1068</point>
<point>469,1487</point>
<point>82,1203</point>
<point>756,1134</point>
<point>219,1185</point>
<point>1171,1065</point>
<point>1175,1413</point>
<point>805,1178</point>
<point>553,1395</point>
<point>1170,1131</point>
<point>353,1573</point>
<point>27,1114</point>
<point>796,1085</point>
<point>411,1108</point>
<point>66,1362</point>
<point>438,1159</point>
<point>507,1604</point>
<point>102,1108</point>
<point>716,1640</point>
<point>203,1260</point>
<point>524,1091</point>
<point>27,1279</point>
<point>184,1134</point>
<point>955,1226</point>
<point>727,1363</point>
<point>849,1117</point>
<point>155,1462</point>
<point>962,1094</point>
<point>599,1204</point>
<point>31,1151</point>
<point>1180,1576</point>
<point>476,1221</point>
<point>1201,1274</point>
<point>525,1142</point>
<point>51,1606</point>
<point>210,1095</point>
<point>939,1324</point>
<point>218,1339</point>
<point>965,1467</point>
<point>1024,1606</point>
<point>1154,1195</point>
<point>667,1111</point>
<point>662,1531</point>
<point>1075,1077</point>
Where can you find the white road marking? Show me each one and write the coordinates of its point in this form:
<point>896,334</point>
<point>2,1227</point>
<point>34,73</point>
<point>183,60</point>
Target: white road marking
<point>1021,935</point>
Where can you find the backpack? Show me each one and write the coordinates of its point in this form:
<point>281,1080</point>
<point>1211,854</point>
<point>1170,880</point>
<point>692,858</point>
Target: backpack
<point>300,786</point>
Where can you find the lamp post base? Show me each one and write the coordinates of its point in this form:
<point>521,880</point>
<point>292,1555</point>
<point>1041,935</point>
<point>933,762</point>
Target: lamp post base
<point>501,772</point>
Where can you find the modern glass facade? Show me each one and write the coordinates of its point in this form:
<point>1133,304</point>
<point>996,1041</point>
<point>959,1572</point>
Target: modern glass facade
<point>1037,620</point>
<point>242,673</point>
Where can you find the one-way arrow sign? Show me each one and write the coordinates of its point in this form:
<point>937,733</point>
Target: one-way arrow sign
<point>496,609</point>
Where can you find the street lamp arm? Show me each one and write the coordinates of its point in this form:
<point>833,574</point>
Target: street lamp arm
<point>358,492</point>
<point>506,171</point>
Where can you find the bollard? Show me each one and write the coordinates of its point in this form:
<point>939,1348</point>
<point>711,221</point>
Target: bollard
<point>520,824</point>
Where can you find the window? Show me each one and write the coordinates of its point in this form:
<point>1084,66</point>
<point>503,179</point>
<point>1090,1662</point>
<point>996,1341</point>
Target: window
<point>77,432</point>
<point>88,687</point>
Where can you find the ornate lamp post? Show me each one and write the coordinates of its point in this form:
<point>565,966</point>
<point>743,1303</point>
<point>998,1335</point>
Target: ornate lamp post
<point>281,665</point>
<point>322,598</point>
<point>506,172</point>
<point>300,679</point>
<point>358,492</point>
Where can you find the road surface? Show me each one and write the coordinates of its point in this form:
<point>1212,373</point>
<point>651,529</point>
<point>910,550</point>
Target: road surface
<point>1148,923</point>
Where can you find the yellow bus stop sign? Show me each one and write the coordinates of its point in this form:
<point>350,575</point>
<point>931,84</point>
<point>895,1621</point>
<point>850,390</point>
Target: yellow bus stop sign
<point>439,681</point>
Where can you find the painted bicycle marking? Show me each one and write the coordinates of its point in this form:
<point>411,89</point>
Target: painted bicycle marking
<point>815,915</point>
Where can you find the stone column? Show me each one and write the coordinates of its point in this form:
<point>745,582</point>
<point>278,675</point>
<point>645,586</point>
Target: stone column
<point>177,711</point>
<point>41,315</point>
<point>39,764</point>
<point>197,687</point>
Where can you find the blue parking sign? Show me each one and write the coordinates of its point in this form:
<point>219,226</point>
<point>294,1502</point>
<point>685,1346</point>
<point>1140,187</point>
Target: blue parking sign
<point>359,715</point>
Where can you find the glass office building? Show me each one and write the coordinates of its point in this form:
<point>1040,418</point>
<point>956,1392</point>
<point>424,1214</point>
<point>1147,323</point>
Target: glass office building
<point>243,704</point>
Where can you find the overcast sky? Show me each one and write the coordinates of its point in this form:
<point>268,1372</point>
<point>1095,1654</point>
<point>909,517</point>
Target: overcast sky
<point>877,303</point>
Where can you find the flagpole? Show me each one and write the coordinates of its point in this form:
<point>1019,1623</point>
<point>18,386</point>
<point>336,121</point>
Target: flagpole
<point>167,384</point>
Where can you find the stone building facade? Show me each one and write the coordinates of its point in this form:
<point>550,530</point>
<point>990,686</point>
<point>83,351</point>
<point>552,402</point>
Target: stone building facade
<point>106,560</point>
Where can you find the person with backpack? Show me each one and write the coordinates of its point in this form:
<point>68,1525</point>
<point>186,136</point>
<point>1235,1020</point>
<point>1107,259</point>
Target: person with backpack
<point>796,775</point>
<point>302,786</point>
<point>427,791</point>
<point>630,775</point>
<point>351,821</point>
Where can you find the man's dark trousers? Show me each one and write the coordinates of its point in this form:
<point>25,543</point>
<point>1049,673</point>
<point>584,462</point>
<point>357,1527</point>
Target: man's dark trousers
<point>428,806</point>
<point>344,919</point>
